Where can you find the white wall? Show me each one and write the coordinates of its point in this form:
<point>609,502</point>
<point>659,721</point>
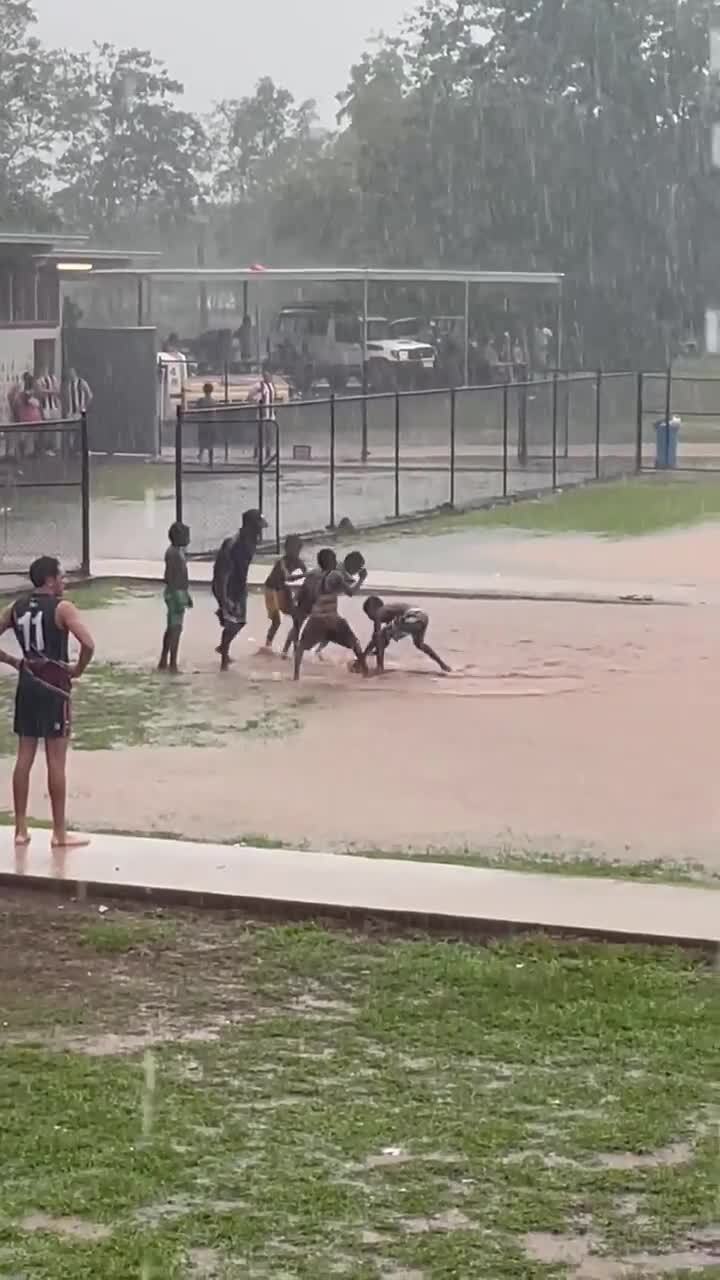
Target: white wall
<point>17,356</point>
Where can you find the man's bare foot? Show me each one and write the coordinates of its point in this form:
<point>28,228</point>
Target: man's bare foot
<point>64,840</point>
<point>22,838</point>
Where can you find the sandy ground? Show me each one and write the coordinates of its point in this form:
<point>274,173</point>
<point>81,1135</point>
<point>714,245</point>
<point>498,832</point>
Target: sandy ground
<point>568,727</point>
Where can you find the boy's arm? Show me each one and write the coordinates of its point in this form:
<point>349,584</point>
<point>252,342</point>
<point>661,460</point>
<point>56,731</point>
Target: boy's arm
<point>373,646</point>
<point>69,617</point>
<point>8,659</point>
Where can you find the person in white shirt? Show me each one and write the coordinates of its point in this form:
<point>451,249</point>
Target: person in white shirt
<point>264,397</point>
<point>77,396</point>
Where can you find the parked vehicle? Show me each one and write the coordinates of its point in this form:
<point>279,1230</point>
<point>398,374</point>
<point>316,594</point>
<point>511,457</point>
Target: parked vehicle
<point>394,360</point>
<point>310,342</point>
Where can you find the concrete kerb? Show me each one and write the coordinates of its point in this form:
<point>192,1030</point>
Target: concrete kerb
<point>130,574</point>
<point>281,883</point>
<point>366,919</point>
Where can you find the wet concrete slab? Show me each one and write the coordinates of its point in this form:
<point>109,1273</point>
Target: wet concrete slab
<point>427,894</point>
<point>475,586</point>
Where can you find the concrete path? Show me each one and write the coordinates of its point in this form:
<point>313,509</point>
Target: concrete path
<point>442,585</point>
<point>423,893</point>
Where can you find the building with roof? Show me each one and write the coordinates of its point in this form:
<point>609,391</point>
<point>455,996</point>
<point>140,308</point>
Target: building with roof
<point>32,269</point>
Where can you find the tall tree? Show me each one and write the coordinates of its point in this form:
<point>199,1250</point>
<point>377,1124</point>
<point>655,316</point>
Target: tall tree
<point>130,154</point>
<point>27,118</point>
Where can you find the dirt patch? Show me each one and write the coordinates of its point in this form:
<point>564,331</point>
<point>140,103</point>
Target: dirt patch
<point>581,1254</point>
<point>70,1228</point>
<point>676,1153</point>
<point>204,1264</point>
<point>451,1220</point>
<point>390,1157</point>
<point>319,1006</point>
<point>180,1206</point>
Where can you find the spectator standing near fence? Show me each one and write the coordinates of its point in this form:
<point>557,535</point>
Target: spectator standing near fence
<point>206,425</point>
<point>520,361</point>
<point>77,396</point>
<point>264,397</point>
<point>47,390</point>
<point>26,411</point>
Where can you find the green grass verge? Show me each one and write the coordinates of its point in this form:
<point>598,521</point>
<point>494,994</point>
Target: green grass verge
<point>116,706</point>
<point>368,1108</point>
<point>630,508</point>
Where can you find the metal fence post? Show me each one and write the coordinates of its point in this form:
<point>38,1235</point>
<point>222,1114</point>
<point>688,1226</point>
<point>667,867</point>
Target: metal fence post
<point>277,484</point>
<point>506,411</point>
<point>364,451</point>
<point>554,427</point>
<point>522,447</point>
<point>598,421</point>
<point>260,451</point>
<point>332,460</point>
<point>668,395</point>
<point>566,416</point>
<point>639,424</point>
<point>85,463</point>
<point>453,404</point>
<point>179,463</point>
<point>397,454</point>
<point>227,383</point>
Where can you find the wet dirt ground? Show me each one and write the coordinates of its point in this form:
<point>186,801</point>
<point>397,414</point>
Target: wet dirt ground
<point>562,727</point>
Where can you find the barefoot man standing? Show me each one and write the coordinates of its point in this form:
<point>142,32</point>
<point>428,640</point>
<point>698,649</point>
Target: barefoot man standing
<point>43,623</point>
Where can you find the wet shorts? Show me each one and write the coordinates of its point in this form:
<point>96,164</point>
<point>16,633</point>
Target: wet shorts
<point>319,630</point>
<point>233,616</point>
<point>277,602</point>
<point>414,623</point>
<point>176,602</point>
<point>39,712</point>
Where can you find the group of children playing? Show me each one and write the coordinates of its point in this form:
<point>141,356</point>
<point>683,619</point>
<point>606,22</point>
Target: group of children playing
<point>308,598</point>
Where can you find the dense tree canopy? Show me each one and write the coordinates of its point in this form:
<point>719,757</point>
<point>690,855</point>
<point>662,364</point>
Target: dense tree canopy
<point>565,134</point>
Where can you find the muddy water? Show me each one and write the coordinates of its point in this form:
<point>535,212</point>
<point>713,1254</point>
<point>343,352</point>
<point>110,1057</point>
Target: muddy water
<point>562,727</point>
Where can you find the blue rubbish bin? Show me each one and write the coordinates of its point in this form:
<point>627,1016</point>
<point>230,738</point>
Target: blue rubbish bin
<point>666,443</point>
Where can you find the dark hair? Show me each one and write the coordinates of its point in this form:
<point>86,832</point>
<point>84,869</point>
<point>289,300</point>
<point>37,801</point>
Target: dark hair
<point>253,519</point>
<point>43,569</point>
<point>293,542</point>
<point>373,605</point>
<point>327,560</point>
<point>208,388</point>
<point>179,534</point>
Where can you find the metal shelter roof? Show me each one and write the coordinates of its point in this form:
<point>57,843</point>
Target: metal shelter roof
<point>362,275</point>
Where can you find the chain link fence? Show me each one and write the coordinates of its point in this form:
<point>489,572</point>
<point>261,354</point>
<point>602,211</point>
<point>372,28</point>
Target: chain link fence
<point>310,465</point>
<point>44,495</point>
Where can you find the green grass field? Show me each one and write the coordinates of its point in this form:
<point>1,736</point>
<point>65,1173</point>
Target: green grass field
<point>628,508</point>
<point>321,1104</point>
<point>117,706</point>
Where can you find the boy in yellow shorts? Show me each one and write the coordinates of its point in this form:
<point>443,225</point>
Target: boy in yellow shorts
<point>176,595</point>
<point>286,575</point>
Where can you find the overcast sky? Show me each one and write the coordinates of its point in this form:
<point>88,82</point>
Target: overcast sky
<point>220,48</point>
